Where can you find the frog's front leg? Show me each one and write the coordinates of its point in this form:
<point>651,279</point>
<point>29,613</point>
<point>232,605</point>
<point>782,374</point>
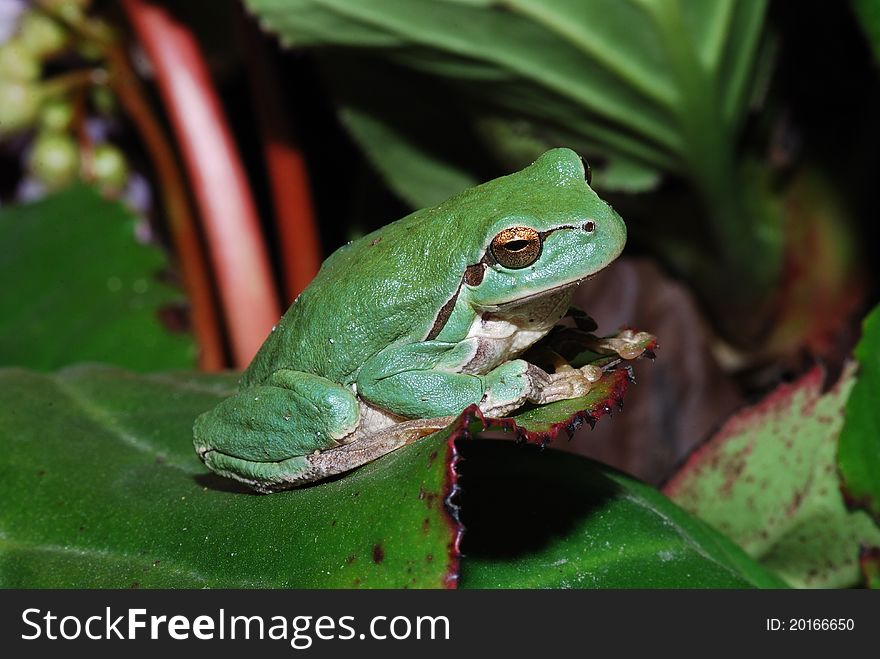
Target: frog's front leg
<point>422,380</point>
<point>266,435</point>
<point>566,381</point>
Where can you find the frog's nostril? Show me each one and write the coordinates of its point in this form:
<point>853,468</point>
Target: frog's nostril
<point>589,227</point>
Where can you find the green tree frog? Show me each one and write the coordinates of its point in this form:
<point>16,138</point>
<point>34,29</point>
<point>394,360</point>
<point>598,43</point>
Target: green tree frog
<point>414,322</point>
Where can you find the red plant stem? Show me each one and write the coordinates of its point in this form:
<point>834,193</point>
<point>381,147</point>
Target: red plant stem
<point>288,177</point>
<point>220,186</point>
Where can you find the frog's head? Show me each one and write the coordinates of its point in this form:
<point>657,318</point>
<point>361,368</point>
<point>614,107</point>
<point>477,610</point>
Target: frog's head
<point>543,229</point>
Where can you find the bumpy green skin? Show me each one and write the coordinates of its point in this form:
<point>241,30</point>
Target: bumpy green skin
<point>360,332</point>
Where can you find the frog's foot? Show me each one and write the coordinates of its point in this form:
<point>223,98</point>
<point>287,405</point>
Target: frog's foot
<point>519,382</point>
<point>568,382</point>
<point>565,381</point>
<point>627,344</point>
<point>511,385</point>
<point>262,435</point>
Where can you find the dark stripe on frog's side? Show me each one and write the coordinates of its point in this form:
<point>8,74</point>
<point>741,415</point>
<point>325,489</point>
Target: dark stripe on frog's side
<point>473,276</point>
<point>443,316</point>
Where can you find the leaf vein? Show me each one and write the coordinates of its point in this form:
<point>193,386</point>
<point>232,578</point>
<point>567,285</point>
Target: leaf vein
<point>105,419</point>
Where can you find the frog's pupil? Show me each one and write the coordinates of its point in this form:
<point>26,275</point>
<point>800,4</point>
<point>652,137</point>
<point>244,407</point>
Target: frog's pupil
<point>517,245</point>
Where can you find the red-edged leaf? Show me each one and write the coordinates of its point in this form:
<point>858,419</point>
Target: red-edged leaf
<point>101,488</point>
<point>544,424</point>
<point>768,480</point>
<point>546,519</point>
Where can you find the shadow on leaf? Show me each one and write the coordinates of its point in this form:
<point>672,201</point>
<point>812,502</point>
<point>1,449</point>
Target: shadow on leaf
<point>516,499</point>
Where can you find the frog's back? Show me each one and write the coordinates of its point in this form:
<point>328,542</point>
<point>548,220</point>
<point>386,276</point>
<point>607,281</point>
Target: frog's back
<point>388,287</point>
<point>369,294</point>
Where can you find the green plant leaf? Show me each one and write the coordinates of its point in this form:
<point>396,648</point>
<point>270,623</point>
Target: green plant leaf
<point>101,487</point>
<point>858,454</point>
<point>549,519</point>
<point>430,180</point>
<point>641,88</point>
<point>868,14</point>
<point>79,287</point>
<point>390,127</point>
<point>634,79</point>
<point>768,480</point>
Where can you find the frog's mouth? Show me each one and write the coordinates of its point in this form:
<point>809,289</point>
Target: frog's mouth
<point>526,300</point>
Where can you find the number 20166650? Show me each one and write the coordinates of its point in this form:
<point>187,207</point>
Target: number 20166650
<point>810,624</point>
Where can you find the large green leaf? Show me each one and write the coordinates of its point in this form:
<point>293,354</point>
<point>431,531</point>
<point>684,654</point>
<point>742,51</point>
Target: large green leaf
<point>659,83</point>
<point>100,487</point>
<point>768,480</point>
<point>77,286</point>
<point>391,126</point>
<point>640,88</point>
<point>859,451</point>
<point>551,520</point>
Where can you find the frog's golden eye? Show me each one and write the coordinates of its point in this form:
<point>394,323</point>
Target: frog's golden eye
<point>517,247</point>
